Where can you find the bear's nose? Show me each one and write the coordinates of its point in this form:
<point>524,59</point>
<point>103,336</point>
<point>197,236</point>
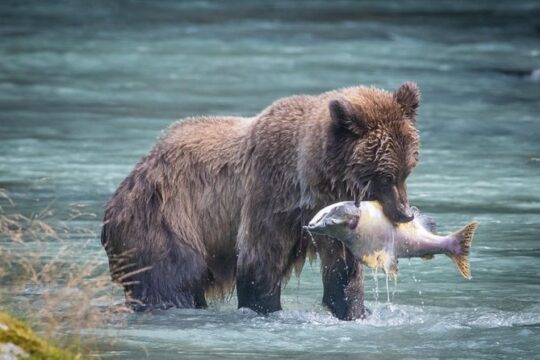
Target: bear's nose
<point>405,215</point>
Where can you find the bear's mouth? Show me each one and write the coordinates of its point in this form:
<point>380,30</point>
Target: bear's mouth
<point>362,192</point>
<point>395,211</point>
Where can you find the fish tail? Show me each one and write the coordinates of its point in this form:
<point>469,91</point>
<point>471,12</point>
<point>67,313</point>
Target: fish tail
<point>461,259</point>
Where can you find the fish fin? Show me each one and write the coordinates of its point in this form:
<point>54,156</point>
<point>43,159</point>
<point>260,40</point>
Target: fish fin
<point>425,220</point>
<point>428,257</point>
<point>464,236</point>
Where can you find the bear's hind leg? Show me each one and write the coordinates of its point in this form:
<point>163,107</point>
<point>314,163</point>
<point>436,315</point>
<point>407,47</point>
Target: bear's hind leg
<point>166,273</point>
<point>167,283</point>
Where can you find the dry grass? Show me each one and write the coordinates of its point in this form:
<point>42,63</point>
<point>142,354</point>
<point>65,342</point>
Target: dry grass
<point>51,281</point>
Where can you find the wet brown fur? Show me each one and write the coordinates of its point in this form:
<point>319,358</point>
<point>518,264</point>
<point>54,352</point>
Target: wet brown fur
<point>224,198</point>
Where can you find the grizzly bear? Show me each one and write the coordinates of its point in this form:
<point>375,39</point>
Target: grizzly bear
<point>220,202</point>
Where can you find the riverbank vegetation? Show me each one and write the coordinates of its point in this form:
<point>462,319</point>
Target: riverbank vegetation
<point>18,340</point>
<point>61,284</point>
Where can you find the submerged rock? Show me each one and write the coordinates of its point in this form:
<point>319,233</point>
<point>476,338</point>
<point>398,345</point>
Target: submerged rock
<point>10,351</point>
<point>535,75</point>
<point>532,75</point>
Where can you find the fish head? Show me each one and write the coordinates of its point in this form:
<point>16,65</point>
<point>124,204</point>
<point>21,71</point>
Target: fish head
<point>363,229</point>
<point>337,221</point>
<point>371,245</point>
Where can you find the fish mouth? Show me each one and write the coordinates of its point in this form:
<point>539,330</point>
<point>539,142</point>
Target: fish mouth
<point>314,229</point>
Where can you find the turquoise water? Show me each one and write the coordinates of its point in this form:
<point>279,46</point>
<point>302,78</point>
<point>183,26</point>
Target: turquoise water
<point>86,88</point>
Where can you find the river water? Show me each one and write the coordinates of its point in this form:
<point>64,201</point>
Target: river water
<point>87,87</point>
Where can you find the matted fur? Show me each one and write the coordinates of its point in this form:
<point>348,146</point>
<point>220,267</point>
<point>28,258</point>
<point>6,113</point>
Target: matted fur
<point>223,199</point>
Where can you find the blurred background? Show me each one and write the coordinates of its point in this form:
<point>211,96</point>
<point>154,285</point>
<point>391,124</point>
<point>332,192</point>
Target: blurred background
<point>87,87</point>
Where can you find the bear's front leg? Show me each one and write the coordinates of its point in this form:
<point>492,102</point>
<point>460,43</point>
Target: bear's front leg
<point>256,293</point>
<point>259,271</point>
<point>343,281</point>
<point>265,242</point>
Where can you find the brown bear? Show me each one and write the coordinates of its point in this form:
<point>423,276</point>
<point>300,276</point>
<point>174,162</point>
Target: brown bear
<point>220,201</point>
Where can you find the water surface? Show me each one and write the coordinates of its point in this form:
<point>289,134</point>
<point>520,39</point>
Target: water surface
<point>86,88</point>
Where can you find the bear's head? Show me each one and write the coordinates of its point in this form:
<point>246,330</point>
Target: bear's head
<point>373,145</point>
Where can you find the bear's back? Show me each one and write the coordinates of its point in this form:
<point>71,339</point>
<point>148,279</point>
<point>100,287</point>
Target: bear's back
<point>210,141</point>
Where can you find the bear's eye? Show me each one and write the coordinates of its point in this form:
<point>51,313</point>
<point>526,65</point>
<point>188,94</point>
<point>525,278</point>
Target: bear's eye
<point>386,180</point>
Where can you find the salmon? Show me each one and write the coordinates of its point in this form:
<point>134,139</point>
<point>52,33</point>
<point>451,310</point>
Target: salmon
<point>378,243</point>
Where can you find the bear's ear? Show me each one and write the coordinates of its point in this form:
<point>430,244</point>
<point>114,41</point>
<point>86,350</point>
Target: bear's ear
<point>408,97</point>
<point>345,117</point>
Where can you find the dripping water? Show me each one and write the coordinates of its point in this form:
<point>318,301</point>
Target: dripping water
<point>375,274</point>
<point>387,289</point>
